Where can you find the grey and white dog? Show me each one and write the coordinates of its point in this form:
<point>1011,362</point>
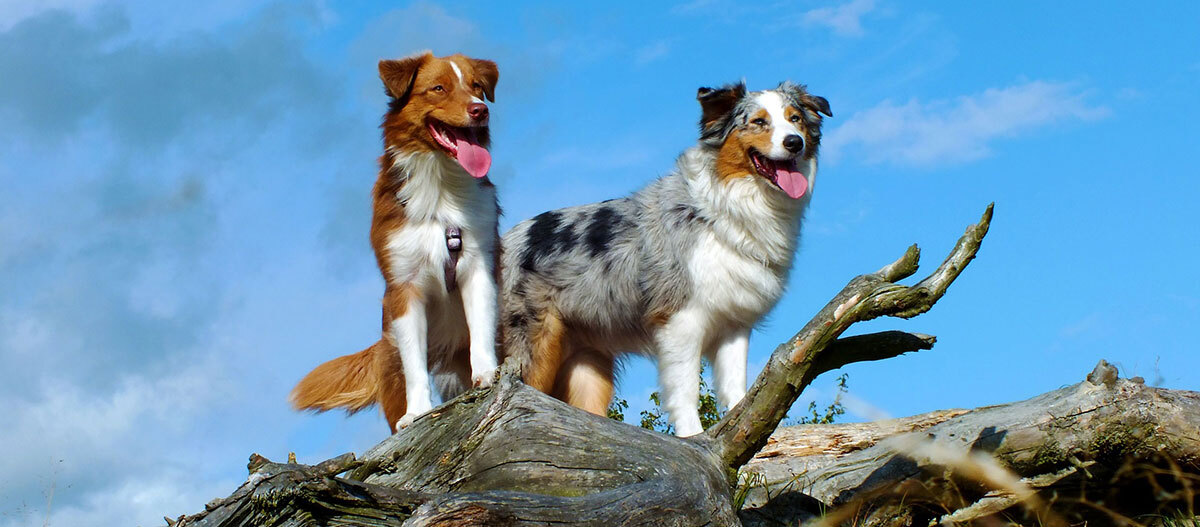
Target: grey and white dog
<point>680,270</point>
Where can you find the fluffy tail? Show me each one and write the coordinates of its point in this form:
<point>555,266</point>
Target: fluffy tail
<point>349,382</point>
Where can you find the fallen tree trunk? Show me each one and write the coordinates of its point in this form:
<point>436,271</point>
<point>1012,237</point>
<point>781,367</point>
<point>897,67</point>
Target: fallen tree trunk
<point>509,455</point>
<point>1104,450</point>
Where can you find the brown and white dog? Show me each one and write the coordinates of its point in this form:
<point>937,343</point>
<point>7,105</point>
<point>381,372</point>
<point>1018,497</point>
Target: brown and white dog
<point>436,243</point>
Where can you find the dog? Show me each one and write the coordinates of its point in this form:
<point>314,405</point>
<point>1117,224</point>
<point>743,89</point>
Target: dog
<point>680,270</point>
<point>435,237</point>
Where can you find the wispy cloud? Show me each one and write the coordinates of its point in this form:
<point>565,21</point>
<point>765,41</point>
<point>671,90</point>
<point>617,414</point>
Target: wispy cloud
<point>960,129</point>
<point>844,19</point>
<point>693,6</point>
<point>13,11</point>
<point>137,168</point>
<point>651,52</point>
<point>149,93</point>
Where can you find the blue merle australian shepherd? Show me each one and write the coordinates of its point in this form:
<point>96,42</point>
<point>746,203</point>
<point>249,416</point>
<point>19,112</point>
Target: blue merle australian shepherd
<point>680,270</point>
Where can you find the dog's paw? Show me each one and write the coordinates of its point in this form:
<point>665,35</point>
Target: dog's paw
<point>483,379</point>
<point>406,420</point>
<point>688,425</point>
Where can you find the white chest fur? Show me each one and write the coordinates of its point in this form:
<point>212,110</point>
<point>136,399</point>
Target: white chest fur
<point>732,286</point>
<point>740,264</point>
<point>439,194</point>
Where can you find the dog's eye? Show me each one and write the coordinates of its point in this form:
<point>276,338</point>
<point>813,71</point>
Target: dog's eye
<point>438,88</point>
<point>796,118</point>
<point>759,122</point>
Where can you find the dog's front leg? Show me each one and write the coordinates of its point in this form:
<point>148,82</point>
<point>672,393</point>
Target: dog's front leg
<point>729,367</point>
<point>479,302</point>
<point>410,333</point>
<point>679,349</point>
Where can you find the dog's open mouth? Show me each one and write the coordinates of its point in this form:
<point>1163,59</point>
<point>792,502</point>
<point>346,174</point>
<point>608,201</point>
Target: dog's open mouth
<point>782,173</point>
<point>464,145</point>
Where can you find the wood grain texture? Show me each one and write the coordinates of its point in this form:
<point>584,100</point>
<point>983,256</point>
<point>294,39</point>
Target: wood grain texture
<point>1067,439</point>
<point>510,455</point>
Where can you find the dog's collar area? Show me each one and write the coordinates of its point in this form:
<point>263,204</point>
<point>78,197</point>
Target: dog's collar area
<point>454,248</point>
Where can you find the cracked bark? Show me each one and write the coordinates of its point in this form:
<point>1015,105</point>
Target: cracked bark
<point>1133,448</point>
<point>509,455</point>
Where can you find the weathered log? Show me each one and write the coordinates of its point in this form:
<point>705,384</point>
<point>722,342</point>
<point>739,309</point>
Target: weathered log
<point>1045,456</point>
<point>509,455</point>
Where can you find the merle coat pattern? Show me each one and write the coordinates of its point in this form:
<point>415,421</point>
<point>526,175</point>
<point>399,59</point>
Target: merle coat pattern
<point>681,269</point>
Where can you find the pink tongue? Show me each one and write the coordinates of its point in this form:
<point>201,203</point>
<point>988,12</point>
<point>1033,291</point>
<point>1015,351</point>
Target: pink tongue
<point>471,156</point>
<point>791,182</point>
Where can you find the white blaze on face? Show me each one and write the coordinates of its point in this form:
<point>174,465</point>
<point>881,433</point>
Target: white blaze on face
<point>775,106</point>
<point>463,82</point>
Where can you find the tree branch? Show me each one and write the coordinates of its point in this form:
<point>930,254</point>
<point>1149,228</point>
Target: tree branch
<point>795,363</point>
<point>510,455</point>
<point>871,347</point>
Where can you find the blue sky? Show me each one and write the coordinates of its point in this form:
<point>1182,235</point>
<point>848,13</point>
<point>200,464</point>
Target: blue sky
<point>183,227</point>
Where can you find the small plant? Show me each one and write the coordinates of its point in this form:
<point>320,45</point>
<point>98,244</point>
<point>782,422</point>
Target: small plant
<point>746,482</point>
<point>654,419</point>
<point>616,409</point>
<point>832,411</point>
<point>711,412</point>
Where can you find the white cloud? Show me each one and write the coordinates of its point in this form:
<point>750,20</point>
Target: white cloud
<point>419,26</point>
<point>844,19</point>
<point>94,455</point>
<point>651,52</point>
<point>128,258</point>
<point>65,422</point>
<point>13,11</point>
<point>957,130</point>
<point>129,501</point>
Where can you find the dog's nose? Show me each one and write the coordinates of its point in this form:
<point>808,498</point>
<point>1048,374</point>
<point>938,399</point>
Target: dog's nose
<point>793,143</point>
<point>478,111</point>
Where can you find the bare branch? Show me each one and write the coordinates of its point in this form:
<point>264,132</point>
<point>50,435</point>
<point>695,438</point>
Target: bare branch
<point>871,347</point>
<point>510,455</point>
<point>794,364</point>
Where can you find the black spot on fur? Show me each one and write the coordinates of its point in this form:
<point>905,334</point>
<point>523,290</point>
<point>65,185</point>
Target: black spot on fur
<point>688,213</point>
<point>516,321</point>
<point>600,232</point>
<point>546,236</point>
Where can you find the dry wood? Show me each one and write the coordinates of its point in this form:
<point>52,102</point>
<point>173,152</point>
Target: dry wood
<point>1076,440</point>
<point>795,363</point>
<point>509,455</point>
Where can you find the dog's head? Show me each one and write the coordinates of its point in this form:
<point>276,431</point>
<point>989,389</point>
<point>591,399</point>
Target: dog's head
<point>771,134</point>
<point>437,105</point>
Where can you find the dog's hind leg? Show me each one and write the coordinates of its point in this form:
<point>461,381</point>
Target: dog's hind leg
<point>586,381</point>
<point>454,376</point>
<point>546,343</point>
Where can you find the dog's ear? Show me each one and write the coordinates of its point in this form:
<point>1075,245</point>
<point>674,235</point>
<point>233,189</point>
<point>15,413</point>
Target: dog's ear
<point>715,104</point>
<point>819,104</point>
<point>398,75</point>
<point>488,76</point>
<point>799,95</point>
